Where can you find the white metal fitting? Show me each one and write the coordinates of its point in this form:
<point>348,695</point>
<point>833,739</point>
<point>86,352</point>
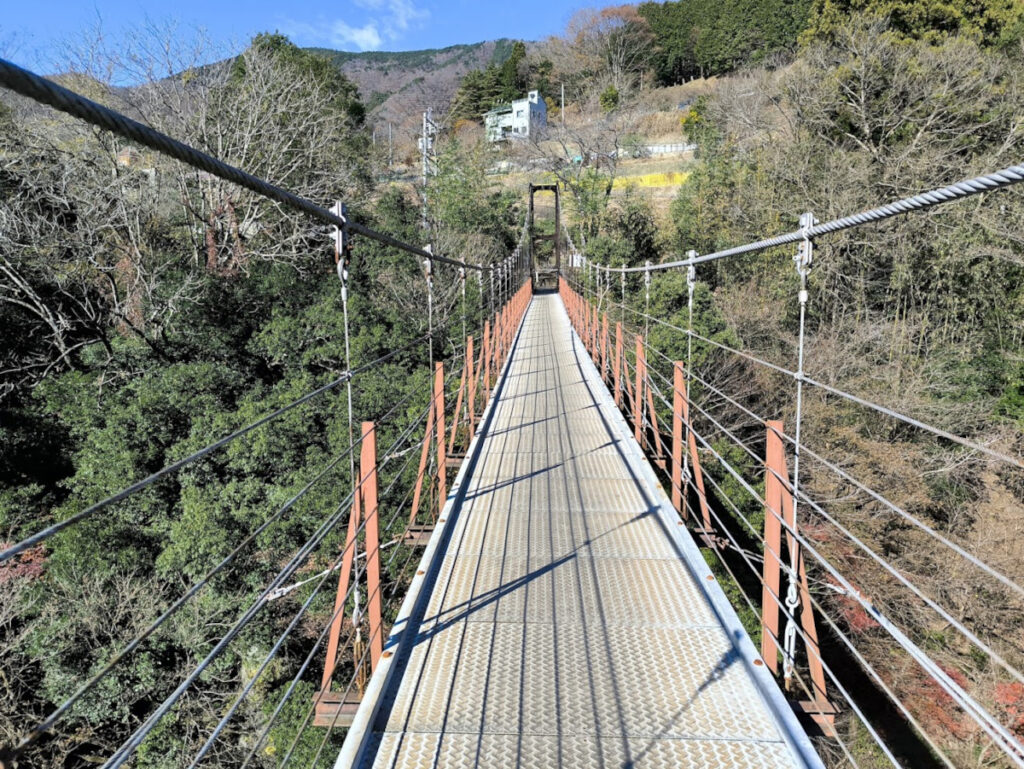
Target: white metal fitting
<point>691,270</point>
<point>647,273</point>
<point>805,251</point>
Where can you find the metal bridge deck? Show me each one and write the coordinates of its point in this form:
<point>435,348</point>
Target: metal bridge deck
<point>566,618</point>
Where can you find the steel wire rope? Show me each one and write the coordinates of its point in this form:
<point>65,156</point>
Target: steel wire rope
<point>999,734</point>
<point>799,677</point>
<point>931,603</point>
<point>918,523</point>
<point>778,642</point>
<point>254,678</point>
<point>1001,737</point>
<point>797,674</point>
<point>298,675</point>
<point>884,410</point>
<point>199,454</point>
<point>821,611</point>
<point>334,720</point>
<point>129,746</point>
<point>44,91</point>
<point>962,189</point>
<point>57,713</point>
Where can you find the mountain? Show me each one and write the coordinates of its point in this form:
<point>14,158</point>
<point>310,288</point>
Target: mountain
<point>398,86</point>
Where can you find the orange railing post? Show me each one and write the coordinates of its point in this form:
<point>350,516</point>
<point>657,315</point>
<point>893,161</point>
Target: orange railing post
<point>604,348</point>
<point>442,470</point>
<point>471,388</point>
<point>368,491</point>
<point>617,366</point>
<point>678,492</point>
<point>638,398</point>
<point>779,502</point>
<point>774,458</point>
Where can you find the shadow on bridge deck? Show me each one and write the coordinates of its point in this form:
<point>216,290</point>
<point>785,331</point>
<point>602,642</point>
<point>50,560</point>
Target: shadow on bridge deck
<point>565,617</point>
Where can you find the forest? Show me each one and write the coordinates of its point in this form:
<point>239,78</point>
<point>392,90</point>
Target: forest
<point>148,307</point>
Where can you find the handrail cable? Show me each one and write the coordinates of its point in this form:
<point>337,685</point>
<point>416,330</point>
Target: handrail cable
<point>913,519</point>
<point>175,466</point>
<point>932,604</point>
<point>254,678</point>
<point>47,92</point>
<point>884,410</point>
<point>962,189</point>
<point>131,744</point>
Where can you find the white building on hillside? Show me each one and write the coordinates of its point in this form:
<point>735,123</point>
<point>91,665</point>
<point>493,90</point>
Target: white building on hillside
<point>519,120</point>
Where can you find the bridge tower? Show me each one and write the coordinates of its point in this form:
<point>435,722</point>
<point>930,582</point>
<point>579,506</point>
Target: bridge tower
<point>546,264</point>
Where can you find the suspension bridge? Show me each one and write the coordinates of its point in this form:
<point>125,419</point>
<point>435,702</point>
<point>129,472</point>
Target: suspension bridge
<point>564,608</point>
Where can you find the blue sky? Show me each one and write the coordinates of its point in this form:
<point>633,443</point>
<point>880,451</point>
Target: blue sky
<point>36,33</point>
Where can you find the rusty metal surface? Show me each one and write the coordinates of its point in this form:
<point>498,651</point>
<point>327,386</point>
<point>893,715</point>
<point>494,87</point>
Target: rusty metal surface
<point>568,623</point>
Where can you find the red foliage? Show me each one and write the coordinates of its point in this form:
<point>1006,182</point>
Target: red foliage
<point>853,613</point>
<point>1010,697</point>
<point>29,564</point>
<point>935,708</point>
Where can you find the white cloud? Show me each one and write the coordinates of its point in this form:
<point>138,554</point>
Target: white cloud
<point>385,21</point>
<point>397,16</point>
<point>365,38</point>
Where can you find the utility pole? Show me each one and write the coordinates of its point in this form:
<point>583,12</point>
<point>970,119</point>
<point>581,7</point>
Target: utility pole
<point>391,150</point>
<point>562,111</point>
<point>426,145</point>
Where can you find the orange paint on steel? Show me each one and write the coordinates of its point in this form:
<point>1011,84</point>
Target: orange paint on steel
<point>339,599</point>
<point>458,401</point>
<point>442,470</point>
<point>770,572</point>
<point>471,388</point>
<point>421,472</point>
<point>368,491</point>
<point>617,366</point>
<point>678,384</point>
<point>604,348</point>
<point>638,399</point>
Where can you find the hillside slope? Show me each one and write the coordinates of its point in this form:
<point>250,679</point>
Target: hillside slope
<point>398,85</point>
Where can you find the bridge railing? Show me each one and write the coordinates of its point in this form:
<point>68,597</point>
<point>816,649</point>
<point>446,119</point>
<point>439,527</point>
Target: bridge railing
<point>752,491</point>
<point>383,512</point>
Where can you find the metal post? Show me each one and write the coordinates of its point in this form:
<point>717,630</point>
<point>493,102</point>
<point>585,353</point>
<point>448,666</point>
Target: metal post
<point>442,470</point>
<point>638,398</point>
<point>429,267</point>
<point>617,367</point>
<point>471,388</point>
<point>803,260</point>
<point>775,466</point>
<point>647,298</point>
<point>678,383</point>
<point>368,490</point>
<point>462,282</point>
<point>622,285</point>
<point>691,284</point>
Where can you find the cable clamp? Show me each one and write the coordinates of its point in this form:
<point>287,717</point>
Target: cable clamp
<point>805,251</point>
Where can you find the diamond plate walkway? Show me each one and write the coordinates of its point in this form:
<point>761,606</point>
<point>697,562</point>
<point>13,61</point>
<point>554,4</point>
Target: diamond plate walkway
<point>566,618</point>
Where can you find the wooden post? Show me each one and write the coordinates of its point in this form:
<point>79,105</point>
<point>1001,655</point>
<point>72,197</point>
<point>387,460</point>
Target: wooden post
<point>678,492</point>
<point>368,491</point>
<point>442,470</point>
